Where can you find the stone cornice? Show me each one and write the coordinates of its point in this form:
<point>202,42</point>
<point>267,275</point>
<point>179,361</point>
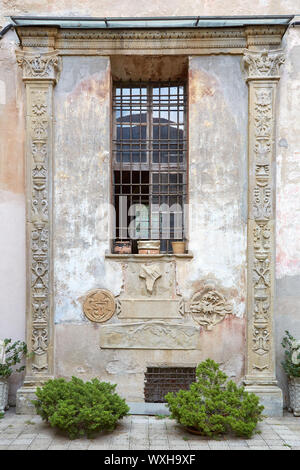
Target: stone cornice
<point>163,41</point>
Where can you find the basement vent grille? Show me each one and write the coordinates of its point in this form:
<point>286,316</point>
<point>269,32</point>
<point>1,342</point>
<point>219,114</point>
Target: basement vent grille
<point>161,380</point>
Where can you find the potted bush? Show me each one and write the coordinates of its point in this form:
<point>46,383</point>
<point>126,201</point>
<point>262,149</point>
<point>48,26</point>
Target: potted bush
<point>80,408</point>
<point>214,406</point>
<point>11,353</point>
<point>291,365</point>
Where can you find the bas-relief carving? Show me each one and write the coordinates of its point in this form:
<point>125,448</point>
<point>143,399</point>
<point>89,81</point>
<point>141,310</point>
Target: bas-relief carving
<point>208,308</point>
<point>149,335</point>
<point>99,305</point>
<point>262,69</point>
<point>38,66</point>
<point>39,75</point>
<point>263,64</point>
<point>148,280</point>
<point>150,272</point>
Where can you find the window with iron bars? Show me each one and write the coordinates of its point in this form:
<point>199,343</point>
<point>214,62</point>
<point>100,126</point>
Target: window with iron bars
<point>149,162</point>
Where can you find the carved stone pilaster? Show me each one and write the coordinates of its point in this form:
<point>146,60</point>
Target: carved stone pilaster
<point>262,70</point>
<point>39,75</point>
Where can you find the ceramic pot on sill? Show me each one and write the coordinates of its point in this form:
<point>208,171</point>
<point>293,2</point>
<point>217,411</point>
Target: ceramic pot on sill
<point>149,247</point>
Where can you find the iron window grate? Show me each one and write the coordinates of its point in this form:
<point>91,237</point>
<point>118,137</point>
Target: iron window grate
<point>149,161</point>
<point>161,380</point>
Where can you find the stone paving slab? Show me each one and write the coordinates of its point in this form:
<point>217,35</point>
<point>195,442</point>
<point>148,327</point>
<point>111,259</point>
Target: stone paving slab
<point>28,432</point>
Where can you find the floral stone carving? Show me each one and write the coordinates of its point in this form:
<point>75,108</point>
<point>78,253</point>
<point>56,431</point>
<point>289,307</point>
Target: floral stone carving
<point>263,63</point>
<point>209,308</point>
<point>99,305</point>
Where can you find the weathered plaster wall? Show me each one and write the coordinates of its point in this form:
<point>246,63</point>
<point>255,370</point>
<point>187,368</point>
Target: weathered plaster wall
<point>218,174</point>
<point>12,199</point>
<point>12,233</point>
<point>288,199</point>
<point>217,95</point>
<point>81,184</point>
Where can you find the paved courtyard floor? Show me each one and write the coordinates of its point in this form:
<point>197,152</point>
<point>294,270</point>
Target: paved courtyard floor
<point>29,432</point>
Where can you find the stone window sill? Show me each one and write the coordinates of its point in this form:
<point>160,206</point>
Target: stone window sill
<point>138,257</point>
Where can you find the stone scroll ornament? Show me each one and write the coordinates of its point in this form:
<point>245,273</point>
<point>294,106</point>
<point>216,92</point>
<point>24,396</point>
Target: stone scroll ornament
<point>99,305</point>
<point>262,75</point>
<point>209,308</point>
<point>39,75</point>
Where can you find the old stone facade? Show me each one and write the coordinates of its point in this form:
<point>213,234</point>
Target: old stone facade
<point>91,312</point>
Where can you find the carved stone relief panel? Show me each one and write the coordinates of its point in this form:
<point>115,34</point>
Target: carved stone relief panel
<point>262,69</point>
<point>209,307</point>
<point>39,75</point>
<point>149,279</point>
<point>149,335</point>
<point>39,66</point>
<point>99,305</point>
<point>150,272</point>
<point>150,291</point>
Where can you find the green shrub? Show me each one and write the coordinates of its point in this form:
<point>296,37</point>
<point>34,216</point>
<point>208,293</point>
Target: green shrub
<point>78,407</point>
<point>14,353</point>
<point>213,406</point>
<point>292,370</point>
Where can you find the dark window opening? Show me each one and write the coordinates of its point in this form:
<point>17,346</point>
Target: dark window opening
<point>149,162</point>
<point>161,380</point>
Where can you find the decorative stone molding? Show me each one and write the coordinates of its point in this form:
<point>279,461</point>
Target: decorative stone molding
<point>262,64</point>
<point>38,66</point>
<point>99,305</point>
<point>262,70</point>
<point>150,272</point>
<point>149,335</point>
<point>209,308</point>
<point>39,75</point>
<point>168,41</point>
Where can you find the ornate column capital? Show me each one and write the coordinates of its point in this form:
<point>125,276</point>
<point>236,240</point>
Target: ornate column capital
<point>39,66</point>
<point>262,65</point>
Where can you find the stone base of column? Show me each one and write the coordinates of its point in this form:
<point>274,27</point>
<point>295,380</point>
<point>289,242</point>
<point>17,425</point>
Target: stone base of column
<point>270,396</point>
<point>23,402</point>
<point>26,394</point>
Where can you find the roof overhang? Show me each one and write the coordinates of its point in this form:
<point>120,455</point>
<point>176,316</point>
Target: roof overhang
<point>151,36</point>
<point>152,22</point>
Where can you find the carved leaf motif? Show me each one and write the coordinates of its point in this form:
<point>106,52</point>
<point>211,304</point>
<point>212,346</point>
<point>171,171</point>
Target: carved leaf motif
<point>38,65</point>
<point>263,64</point>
